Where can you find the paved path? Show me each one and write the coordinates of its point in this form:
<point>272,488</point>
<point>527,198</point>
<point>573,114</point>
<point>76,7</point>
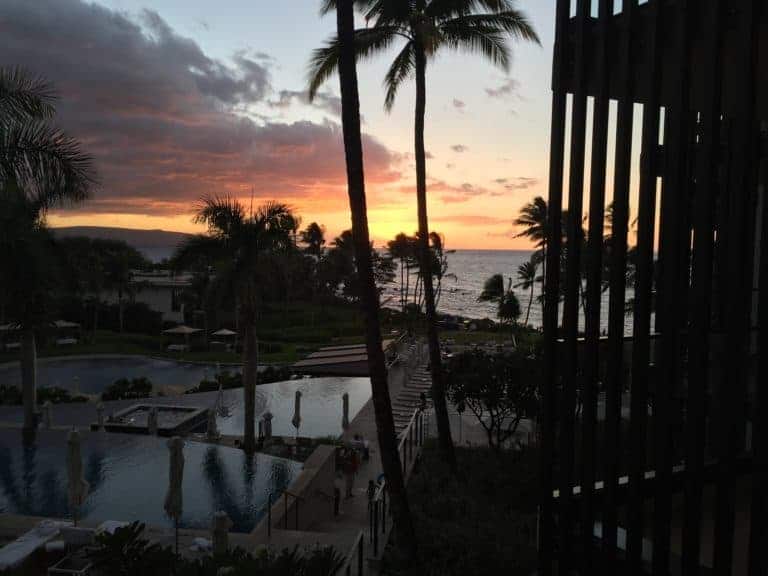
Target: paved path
<point>353,517</point>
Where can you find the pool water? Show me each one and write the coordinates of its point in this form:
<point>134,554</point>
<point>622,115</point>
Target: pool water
<point>321,405</point>
<point>93,375</point>
<point>128,477</point>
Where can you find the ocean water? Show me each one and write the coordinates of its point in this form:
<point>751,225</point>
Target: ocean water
<point>467,272</point>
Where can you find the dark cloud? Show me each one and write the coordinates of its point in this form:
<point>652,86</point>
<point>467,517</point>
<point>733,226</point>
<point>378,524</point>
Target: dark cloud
<point>519,183</point>
<point>509,87</point>
<point>165,122</point>
<point>459,148</point>
<point>323,100</point>
<point>471,219</point>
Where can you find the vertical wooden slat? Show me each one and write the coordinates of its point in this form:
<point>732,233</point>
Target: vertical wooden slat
<point>594,278</point>
<point>617,281</point>
<point>711,32</point>
<point>552,288</point>
<point>573,286</point>
<point>643,286</point>
<point>731,389</point>
<point>672,291</point>
<point>758,559</point>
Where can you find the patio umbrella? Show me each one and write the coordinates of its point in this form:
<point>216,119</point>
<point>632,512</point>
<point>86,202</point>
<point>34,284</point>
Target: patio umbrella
<point>212,431</point>
<point>77,487</point>
<point>297,412</point>
<point>224,332</point>
<point>182,330</point>
<point>173,498</point>
<point>345,411</point>
<point>152,421</point>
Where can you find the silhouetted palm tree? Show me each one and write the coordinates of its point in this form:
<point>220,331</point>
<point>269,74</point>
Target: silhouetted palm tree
<point>246,252</point>
<point>426,27</point>
<point>495,290</point>
<point>527,274</point>
<point>40,168</point>
<point>353,147</point>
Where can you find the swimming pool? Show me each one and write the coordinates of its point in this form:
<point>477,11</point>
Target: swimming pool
<point>96,373</point>
<point>321,405</point>
<point>128,477</point>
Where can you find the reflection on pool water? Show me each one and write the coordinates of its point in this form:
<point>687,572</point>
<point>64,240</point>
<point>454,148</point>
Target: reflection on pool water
<point>128,477</point>
<point>95,374</point>
<point>321,405</point>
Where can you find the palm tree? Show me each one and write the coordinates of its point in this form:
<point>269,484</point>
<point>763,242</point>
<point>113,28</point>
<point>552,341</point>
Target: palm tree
<point>399,250</point>
<point>40,168</point>
<point>313,237</point>
<point>527,276</point>
<point>533,220</point>
<point>426,26</point>
<point>495,290</point>
<point>353,147</point>
<point>246,251</point>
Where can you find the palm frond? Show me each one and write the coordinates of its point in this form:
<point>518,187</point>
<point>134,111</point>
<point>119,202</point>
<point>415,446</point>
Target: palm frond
<point>222,214</point>
<point>444,9</point>
<point>24,96</point>
<point>403,67</point>
<point>513,22</point>
<point>327,6</point>
<point>485,40</point>
<point>325,60</point>
<point>389,13</point>
<point>48,165</point>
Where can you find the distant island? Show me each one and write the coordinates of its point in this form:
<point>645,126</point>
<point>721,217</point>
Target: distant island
<point>154,244</point>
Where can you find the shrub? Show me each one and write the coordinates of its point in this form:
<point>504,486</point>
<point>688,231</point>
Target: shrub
<point>10,395</point>
<point>56,395</point>
<point>125,389</point>
<point>128,552</point>
<point>229,379</point>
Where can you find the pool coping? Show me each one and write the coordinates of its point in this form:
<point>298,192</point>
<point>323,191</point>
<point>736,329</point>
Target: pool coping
<point>108,356</point>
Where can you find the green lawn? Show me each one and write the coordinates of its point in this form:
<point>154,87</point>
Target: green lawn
<point>480,522</point>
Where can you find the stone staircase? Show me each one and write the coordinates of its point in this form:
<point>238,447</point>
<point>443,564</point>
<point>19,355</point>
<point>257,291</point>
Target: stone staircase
<point>409,397</point>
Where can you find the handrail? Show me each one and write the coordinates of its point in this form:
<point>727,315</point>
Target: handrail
<point>378,510</point>
<point>355,555</point>
<point>296,499</point>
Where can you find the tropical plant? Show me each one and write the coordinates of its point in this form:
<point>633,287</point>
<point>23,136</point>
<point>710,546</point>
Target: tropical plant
<point>500,390</point>
<point>495,290</point>
<point>532,218</point>
<point>426,27</point>
<point>345,63</point>
<point>246,251</point>
<point>125,389</point>
<point>313,238</point>
<point>527,276</point>
<point>127,551</point>
<point>40,167</point>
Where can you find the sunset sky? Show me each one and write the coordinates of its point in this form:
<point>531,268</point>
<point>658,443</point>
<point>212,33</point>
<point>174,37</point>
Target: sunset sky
<point>177,99</point>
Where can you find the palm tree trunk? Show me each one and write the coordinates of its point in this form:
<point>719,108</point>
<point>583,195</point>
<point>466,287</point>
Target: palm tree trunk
<point>250,368</point>
<point>29,377</point>
<point>435,360</point>
<point>530,301</point>
<point>353,148</point>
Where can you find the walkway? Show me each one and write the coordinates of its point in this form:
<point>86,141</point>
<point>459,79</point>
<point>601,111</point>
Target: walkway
<point>353,517</point>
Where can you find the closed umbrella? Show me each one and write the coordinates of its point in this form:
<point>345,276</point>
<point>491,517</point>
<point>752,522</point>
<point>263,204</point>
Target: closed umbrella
<point>173,498</point>
<point>152,421</point>
<point>297,412</point>
<point>345,412</point>
<point>77,487</point>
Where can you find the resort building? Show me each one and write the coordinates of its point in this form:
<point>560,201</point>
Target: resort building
<point>159,289</point>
